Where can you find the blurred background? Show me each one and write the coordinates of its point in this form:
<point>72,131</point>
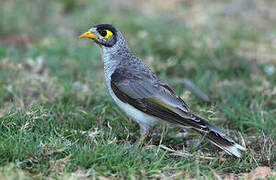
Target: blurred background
<point>226,48</point>
<point>176,33</point>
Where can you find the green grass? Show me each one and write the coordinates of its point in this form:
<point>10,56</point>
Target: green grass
<point>58,121</point>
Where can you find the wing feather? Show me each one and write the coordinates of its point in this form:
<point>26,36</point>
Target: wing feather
<point>154,98</point>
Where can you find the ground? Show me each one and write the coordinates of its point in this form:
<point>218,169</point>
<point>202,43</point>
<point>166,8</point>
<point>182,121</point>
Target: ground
<point>58,121</point>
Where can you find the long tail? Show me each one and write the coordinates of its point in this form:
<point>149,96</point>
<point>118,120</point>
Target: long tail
<point>217,137</point>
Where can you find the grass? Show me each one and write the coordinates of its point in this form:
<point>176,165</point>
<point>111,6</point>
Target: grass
<point>58,121</point>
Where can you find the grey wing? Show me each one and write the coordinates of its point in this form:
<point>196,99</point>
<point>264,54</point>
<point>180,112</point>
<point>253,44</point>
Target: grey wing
<point>140,86</point>
<point>152,97</point>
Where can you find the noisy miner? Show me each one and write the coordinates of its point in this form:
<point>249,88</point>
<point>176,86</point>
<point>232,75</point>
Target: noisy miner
<point>142,96</point>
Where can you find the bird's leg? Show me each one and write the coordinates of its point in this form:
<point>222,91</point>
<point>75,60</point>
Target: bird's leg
<point>164,130</point>
<point>145,131</point>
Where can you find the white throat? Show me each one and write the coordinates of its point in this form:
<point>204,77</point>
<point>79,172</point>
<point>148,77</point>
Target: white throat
<point>110,61</point>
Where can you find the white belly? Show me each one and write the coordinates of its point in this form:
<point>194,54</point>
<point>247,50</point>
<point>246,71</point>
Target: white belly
<point>135,114</point>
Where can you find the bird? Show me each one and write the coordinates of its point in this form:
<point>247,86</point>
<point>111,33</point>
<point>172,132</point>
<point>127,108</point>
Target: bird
<point>143,97</point>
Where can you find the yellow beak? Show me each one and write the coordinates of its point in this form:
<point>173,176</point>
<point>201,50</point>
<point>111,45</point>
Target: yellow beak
<point>88,34</point>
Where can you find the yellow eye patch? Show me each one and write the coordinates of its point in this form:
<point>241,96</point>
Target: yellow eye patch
<point>108,34</point>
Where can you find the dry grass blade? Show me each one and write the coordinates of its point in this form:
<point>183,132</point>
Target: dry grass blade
<point>183,154</point>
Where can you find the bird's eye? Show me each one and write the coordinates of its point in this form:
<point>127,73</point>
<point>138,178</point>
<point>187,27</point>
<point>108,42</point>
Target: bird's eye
<point>102,32</point>
<point>105,33</point>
